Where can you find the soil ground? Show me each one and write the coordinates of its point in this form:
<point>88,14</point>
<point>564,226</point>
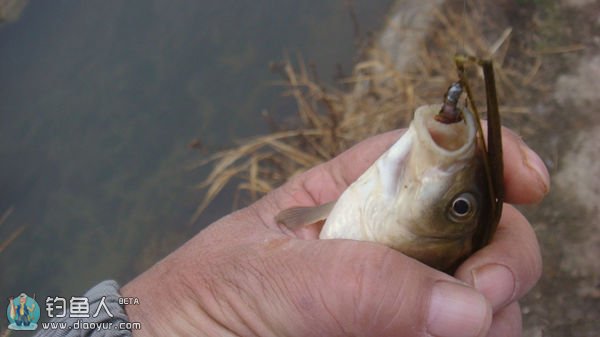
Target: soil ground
<point>566,302</point>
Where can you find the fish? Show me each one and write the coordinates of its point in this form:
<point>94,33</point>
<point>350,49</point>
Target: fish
<point>434,195</point>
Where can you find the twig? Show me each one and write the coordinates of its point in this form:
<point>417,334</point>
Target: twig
<point>355,23</point>
<point>12,237</point>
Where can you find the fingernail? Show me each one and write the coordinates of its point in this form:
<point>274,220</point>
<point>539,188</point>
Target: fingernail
<point>535,163</point>
<point>496,282</point>
<point>458,311</point>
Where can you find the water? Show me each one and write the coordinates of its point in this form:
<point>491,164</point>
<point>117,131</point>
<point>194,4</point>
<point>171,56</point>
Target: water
<point>98,100</point>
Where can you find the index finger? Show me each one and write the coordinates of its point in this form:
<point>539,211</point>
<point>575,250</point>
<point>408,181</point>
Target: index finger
<point>509,266</point>
<point>526,179</point>
<point>326,182</point>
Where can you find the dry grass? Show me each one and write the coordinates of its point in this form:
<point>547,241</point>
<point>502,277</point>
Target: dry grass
<point>329,120</point>
<point>10,10</point>
<point>13,235</point>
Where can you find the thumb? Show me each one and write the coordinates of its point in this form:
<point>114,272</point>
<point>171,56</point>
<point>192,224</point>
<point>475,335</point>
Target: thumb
<point>371,290</point>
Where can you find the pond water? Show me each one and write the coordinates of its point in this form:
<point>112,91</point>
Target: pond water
<point>99,100</point>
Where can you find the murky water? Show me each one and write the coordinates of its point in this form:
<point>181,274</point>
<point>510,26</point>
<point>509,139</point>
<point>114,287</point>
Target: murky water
<point>98,101</point>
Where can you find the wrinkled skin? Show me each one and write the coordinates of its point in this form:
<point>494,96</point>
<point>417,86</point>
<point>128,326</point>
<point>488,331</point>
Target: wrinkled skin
<point>246,276</point>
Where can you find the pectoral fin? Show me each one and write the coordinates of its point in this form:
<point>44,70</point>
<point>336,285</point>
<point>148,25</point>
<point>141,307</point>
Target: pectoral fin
<point>297,217</point>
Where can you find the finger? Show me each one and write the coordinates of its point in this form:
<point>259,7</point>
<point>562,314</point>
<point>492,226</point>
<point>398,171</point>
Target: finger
<point>507,322</point>
<point>509,266</point>
<point>372,290</point>
<point>325,182</point>
<point>526,178</point>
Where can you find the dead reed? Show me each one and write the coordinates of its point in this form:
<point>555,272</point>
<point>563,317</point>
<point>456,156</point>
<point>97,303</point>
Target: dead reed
<point>13,235</point>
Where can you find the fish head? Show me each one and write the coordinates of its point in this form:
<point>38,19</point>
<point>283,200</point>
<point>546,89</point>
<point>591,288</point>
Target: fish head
<point>441,193</point>
<point>425,196</point>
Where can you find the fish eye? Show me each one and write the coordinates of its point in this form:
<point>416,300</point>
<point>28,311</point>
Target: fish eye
<point>462,207</point>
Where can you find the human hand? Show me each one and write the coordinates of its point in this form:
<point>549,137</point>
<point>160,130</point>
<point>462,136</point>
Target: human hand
<point>246,276</point>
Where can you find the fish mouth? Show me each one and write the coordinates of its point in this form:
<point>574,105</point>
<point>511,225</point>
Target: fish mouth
<point>444,140</point>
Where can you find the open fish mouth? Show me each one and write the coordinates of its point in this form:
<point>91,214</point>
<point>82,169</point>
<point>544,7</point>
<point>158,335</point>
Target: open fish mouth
<point>443,163</point>
<point>444,140</point>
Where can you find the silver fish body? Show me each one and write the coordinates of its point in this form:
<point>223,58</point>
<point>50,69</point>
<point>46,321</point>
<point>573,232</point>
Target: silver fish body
<point>423,196</point>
